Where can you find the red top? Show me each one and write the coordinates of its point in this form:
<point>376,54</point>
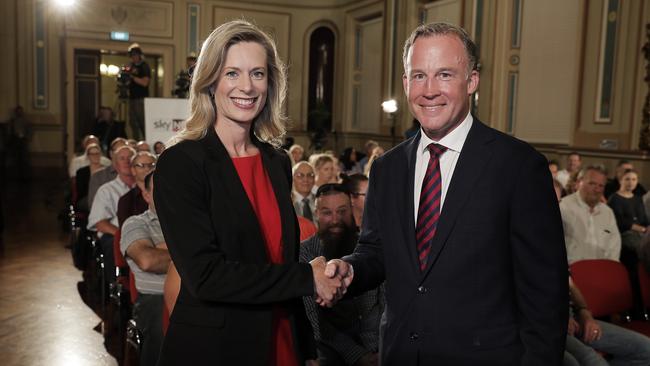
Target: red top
<point>262,197</point>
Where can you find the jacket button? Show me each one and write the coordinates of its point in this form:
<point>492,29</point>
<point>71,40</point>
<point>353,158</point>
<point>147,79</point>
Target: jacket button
<point>422,290</point>
<point>413,336</point>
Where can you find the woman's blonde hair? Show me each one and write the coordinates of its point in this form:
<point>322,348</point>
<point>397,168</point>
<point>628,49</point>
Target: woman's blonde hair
<point>270,124</point>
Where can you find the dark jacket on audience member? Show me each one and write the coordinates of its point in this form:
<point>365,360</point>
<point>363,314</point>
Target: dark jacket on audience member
<point>628,211</point>
<point>613,186</point>
<point>132,203</point>
<point>229,289</point>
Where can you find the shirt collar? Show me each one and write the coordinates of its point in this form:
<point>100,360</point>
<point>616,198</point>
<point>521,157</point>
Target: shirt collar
<point>454,140</point>
<point>584,204</point>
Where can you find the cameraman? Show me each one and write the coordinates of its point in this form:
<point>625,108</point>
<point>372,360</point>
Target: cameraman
<point>138,90</point>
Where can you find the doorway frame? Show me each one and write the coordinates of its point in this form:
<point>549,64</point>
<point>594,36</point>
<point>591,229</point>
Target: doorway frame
<point>71,44</point>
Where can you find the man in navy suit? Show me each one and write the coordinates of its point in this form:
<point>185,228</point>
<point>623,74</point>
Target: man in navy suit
<point>462,223</point>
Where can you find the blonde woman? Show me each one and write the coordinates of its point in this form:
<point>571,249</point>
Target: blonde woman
<point>223,196</point>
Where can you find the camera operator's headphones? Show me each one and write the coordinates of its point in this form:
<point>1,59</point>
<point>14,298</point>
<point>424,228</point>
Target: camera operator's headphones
<point>134,49</point>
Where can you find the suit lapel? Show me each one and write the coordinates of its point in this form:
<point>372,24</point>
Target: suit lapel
<point>471,163</point>
<point>408,219</point>
<point>219,164</point>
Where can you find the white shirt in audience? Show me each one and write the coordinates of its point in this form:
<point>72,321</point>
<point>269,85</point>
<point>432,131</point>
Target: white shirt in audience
<point>563,177</point>
<point>589,234</point>
<point>104,205</point>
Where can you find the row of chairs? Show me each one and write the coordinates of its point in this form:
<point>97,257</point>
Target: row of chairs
<point>606,287</point>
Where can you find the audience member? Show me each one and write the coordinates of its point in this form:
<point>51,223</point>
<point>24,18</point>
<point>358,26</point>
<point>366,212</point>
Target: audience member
<point>140,73</point>
<point>132,143</point>
<point>587,336</point>
<point>348,162</point>
<point>376,153</point>
<point>133,202</point>
<point>633,224</point>
<point>553,167</point>
<point>82,178</point>
<point>369,146</point>
<point>107,174</point>
<point>82,160</point>
<point>142,146</point>
<point>20,134</point>
<point>297,153</point>
<point>103,211</point>
<point>324,167</point>
<point>590,230</point>
<point>158,147</point>
<point>613,184</point>
<point>358,187</point>
<point>303,182</point>
<point>145,250</point>
<point>106,128</point>
<point>348,333</point>
<point>573,163</point>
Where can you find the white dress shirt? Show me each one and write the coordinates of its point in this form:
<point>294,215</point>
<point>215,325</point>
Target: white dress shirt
<point>454,142</point>
<point>104,205</point>
<point>589,234</point>
<point>297,204</point>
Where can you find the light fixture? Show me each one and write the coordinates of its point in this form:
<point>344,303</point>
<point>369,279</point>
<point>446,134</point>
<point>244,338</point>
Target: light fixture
<point>389,106</point>
<point>64,4</point>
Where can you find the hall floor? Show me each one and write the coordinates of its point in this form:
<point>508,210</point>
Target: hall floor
<point>43,319</point>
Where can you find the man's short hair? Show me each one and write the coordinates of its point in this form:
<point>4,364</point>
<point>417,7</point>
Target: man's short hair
<point>328,189</point>
<point>300,163</point>
<point>147,181</point>
<point>622,162</point>
<point>594,168</point>
<point>370,144</point>
<point>443,29</point>
<point>133,152</point>
<point>354,181</point>
<point>116,141</point>
<point>143,153</point>
<point>576,154</point>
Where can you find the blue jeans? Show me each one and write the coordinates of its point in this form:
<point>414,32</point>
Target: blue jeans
<point>626,348</point>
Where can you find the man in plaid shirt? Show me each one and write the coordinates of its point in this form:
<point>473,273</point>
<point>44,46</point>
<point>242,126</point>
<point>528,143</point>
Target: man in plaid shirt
<point>348,333</point>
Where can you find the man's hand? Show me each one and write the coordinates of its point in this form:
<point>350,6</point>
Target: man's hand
<point>329,289</point>
<point>341,269</point>
<point>369,359</point>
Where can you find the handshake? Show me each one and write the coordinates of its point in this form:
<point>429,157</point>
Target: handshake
<point>331,280</point>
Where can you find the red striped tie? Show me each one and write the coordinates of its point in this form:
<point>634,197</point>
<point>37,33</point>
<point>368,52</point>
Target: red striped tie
<point>429,209</point>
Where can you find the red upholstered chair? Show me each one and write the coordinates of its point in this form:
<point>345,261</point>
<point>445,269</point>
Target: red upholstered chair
<point>606,288</point>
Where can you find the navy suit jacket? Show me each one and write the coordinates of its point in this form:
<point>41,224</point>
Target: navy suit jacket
<point>495,289</point>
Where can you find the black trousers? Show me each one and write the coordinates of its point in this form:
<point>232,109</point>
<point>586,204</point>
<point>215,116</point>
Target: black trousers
<point>147,313</point>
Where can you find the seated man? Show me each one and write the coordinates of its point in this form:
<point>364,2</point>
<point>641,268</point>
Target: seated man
<point>103,212</point>
<point>145,250</point>
<point>587,335</point>
<point>590,230</point>
<point>303,182</point>
<point>348,333</point>
<point>133,203</point>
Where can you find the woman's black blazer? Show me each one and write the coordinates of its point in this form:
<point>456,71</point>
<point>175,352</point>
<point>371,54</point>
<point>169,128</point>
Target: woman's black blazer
<point>229,288</point>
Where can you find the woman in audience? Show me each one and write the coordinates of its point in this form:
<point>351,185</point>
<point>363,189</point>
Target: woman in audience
<point>348,162</point>
<point>324,166</point>
<point>223,200</point>
<point>629,210</point>
<point>94,154</point>
<point>297,153</point>
<point>158,147</point>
